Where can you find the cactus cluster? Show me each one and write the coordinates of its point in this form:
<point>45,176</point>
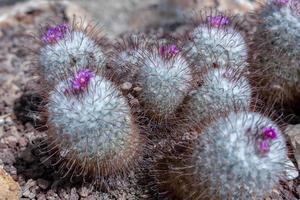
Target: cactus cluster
<point>200,85</point>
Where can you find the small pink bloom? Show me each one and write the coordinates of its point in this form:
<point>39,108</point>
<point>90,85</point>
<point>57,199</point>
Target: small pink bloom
<point>171,50</point>
<point>81,80</point>
<point>54,34</point>
<point>281,2</point>
<point>270,133</point>
<point>218,21</point>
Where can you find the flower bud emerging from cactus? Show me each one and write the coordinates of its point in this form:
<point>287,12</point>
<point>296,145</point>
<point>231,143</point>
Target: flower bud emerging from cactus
<point>241,156</point>
<point>222,90</point>
<point>66,49</point>
<point>92,126</point>
<point>215,42</point>
<point>275,52</point>
<point>165,78</point>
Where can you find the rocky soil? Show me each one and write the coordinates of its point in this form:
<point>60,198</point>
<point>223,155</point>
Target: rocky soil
<point>25,172</point>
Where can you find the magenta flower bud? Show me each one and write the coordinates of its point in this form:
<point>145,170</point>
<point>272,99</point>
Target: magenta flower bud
<point>81,80</point>
<point>270,133</point>
<point>171,50</point>
<point>55,34</point>
<point>218,21</point>
<point>281,2</point>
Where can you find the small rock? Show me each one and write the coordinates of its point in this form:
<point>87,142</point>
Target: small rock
<point>41,197</point>
<point>126,86</point>
<point>9,189</point>
<point>291,171</point>
<point>137,89</point>
<point>43,183</point>
<point>74,195</point>
<point>22,142</point>
<point>51,195</point>
<point>83,192</point>
<point>29,190</point>
<point>134,102</point>
<point>293,132</point>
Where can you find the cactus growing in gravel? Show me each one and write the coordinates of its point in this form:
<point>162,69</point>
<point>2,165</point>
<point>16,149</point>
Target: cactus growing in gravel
<point>92,125</point>
<point>165,77</point>
<point>66,49</point>
<point>222,90</point>
<point>275,51</point>
<point>241,156</point>
<point>215,41</point>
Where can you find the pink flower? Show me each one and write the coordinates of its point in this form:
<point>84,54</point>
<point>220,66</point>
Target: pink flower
<point>281,2</point>
<point>270,133</point>
<point>218,21</point>
<point>171,50</point>
<point>54,34</point>
<point>81,80</point>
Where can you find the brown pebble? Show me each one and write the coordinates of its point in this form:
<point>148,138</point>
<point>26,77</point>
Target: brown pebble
<point>137,89</point>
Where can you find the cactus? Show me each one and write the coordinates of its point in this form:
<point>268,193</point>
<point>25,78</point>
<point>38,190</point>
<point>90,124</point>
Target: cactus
<point>66,49</point>
<point>241,156</point>
<point>222,90</point>
<point>165,77</point>
<point>275,52</point>
<point>126,56</point>
<point>92,126</point>
<point>216,42</point>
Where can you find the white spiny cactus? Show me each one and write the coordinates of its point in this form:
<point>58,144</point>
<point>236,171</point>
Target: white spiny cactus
<point>222,91</point>
<point>68,50</point>
<point>165,78</point>
<point>216,46</point>
<point>94,120</point>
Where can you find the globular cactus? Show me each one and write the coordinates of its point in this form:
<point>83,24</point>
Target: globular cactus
<point>222,90</point>
<point>92,127</point>
<point>275,52</point>
<point>127,53</point>
<point>66,48</point>
<point>241,156</point>
<point>165,77</point>
<point>215,41</point>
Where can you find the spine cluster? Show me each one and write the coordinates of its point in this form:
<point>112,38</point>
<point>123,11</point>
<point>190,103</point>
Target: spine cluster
<point>199,87</point>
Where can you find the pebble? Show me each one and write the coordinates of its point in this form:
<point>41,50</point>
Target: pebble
<point>74,195</point>
<point>29,189</point>
<point>83,192</point>
<point>43,183</point>
<point>126,86</point>
<point>22,142</point>
<point>293,132</point>
<point>9,189</point>
<point>137,89</point>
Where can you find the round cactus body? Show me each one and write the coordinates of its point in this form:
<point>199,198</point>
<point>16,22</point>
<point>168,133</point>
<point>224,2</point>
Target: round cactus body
<point>240,156</point>
<point>222,91</point>
<point>165,78</point>
<point>215,44</point>
<point>94,124</point>
<point>66,50</point>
